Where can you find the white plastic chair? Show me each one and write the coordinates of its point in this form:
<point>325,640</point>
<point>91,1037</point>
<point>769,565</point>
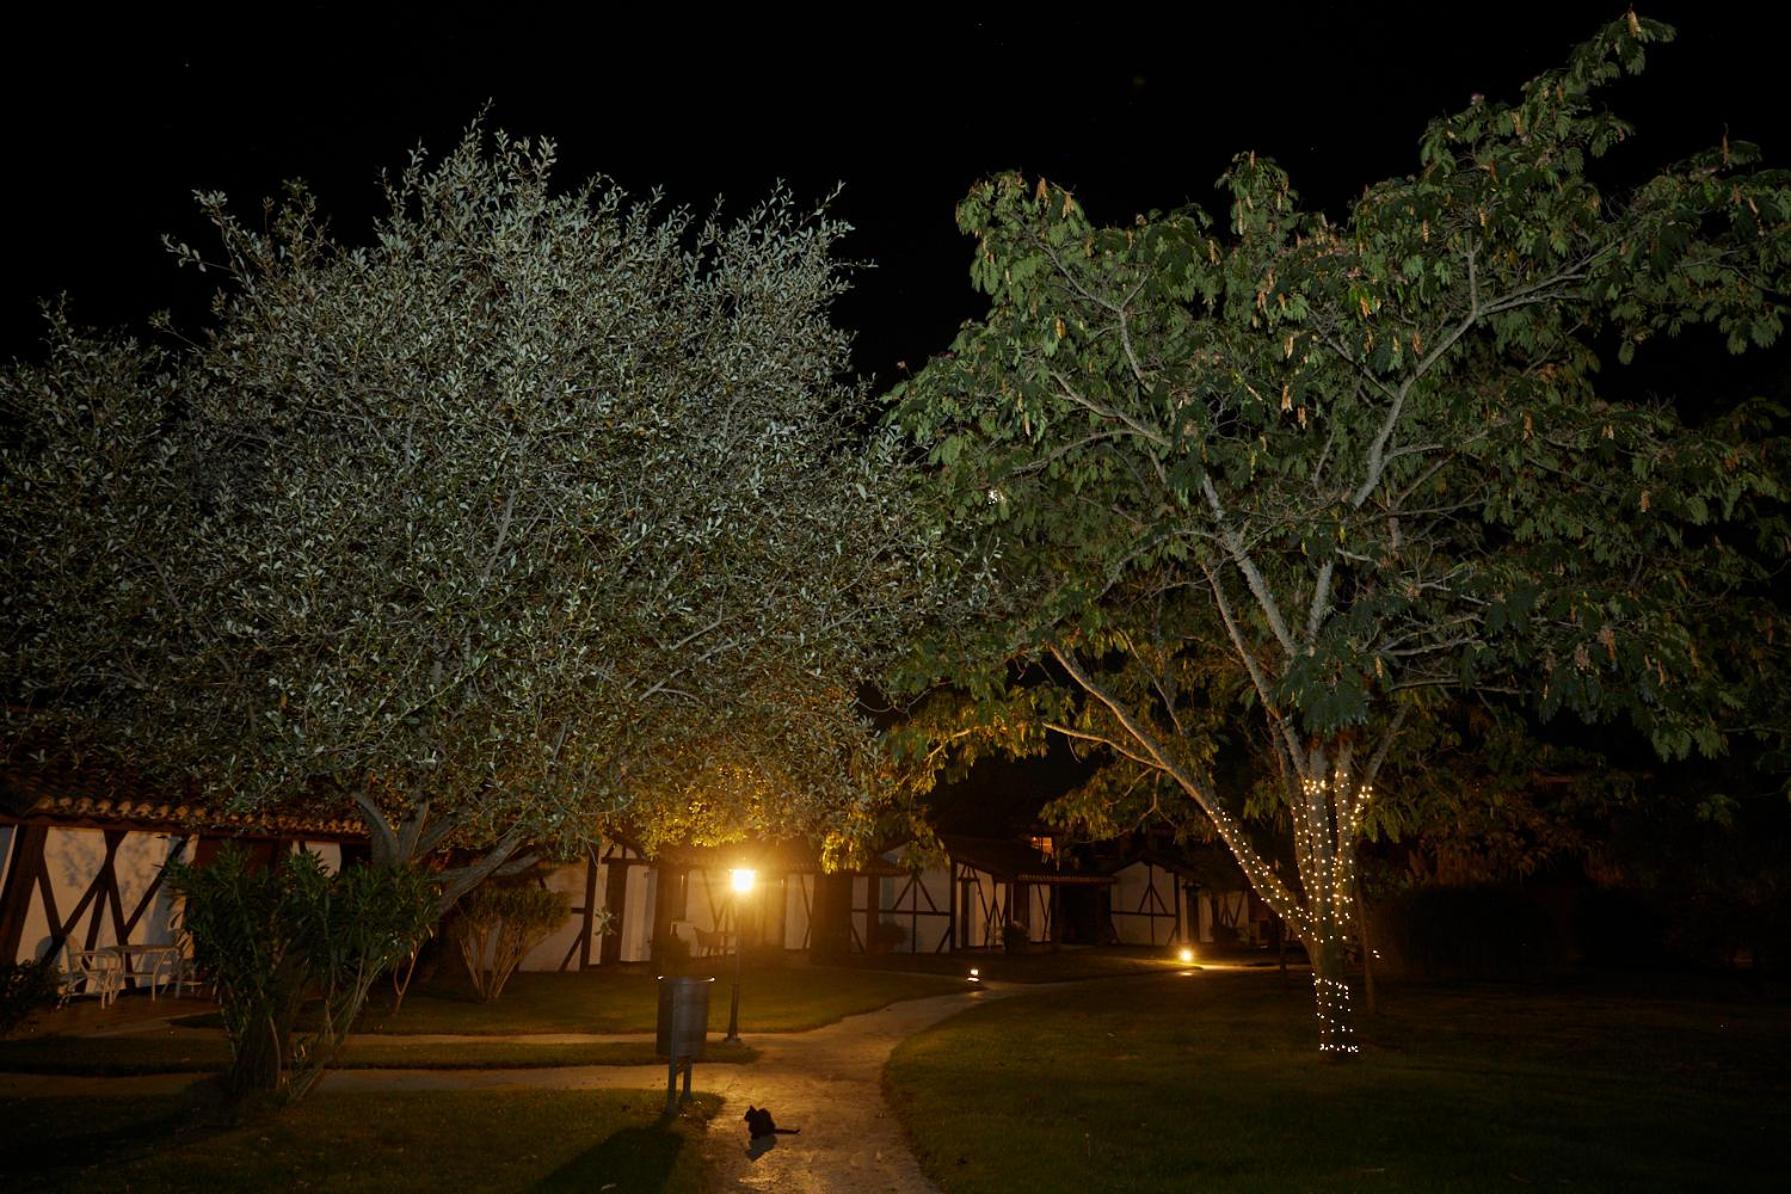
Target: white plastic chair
<point>96,971</point>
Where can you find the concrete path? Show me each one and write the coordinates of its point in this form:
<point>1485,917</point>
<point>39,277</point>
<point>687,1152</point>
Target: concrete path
<point>828,1083</point>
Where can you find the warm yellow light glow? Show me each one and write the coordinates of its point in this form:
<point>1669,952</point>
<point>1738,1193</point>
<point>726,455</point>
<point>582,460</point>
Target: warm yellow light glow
<point>742,879</point>
<point>976,976</point>
<point>1186,954</point>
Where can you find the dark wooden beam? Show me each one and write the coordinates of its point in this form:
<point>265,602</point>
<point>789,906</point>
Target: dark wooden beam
<point>21,878</point>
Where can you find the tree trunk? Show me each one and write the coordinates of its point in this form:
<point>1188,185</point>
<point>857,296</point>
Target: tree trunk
<point>1369,1003</point>
<point>259,1062</point>
<point>1331,993</point>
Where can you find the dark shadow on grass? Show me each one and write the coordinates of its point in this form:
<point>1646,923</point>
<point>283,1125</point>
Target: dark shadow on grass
<point>66,1155</point>
<point>632,1159</point>
<point>60,1159</point>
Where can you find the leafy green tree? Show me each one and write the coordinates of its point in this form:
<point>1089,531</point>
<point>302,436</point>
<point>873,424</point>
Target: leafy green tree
<point>1328,474</point>
<point>544,511</point>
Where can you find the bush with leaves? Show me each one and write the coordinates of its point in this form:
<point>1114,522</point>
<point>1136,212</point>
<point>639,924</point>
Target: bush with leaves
<point>272,936</point>
<point>888,936</point>
<point>498,925</point>
<point>26,988</point>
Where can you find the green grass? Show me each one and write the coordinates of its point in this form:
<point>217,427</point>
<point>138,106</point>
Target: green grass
<point>1211,1082</point>
<point>1047,966</point>
<point>181,1053</point>
<point>773,999</point>
<point>459,1140</point>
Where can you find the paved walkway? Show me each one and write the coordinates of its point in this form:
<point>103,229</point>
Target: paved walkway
<point>828,1083</point>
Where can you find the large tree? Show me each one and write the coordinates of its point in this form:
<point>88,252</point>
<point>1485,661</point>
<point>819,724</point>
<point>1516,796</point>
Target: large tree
<point>544,511</point>
<point>1287,483</point>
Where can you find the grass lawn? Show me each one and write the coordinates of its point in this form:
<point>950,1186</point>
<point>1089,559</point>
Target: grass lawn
<point>772,999</point>
<point>1211,1081</point>
<point>459,1140</point>
<point>1049,966</point>
<point>180,1053</point>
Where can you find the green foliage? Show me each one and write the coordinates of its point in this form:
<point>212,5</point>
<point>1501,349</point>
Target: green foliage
<point>497,925</point>
<point>1261,495</point>
<point>270,937</point>
<point>26,988</point>
<point>542,504</point>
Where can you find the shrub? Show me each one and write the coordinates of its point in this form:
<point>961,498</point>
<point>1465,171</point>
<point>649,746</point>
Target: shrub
<point>1014,938</point>
<point>26,988</point>
<point>496,927</point>
<point>270,936</point>
<point>888,935</point>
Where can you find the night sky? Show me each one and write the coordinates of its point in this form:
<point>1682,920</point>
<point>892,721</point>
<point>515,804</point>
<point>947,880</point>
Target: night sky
<point>116,121</point>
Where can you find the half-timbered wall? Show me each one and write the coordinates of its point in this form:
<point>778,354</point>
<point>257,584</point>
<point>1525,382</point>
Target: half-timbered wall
<point>618,880</point>
<point>561,949</point>
<point>799,910</point>
<point>1148,906</point>
<point>1229,910</point>
<point>98,887</point>
<point>919,902</point>
<point>982,907</point>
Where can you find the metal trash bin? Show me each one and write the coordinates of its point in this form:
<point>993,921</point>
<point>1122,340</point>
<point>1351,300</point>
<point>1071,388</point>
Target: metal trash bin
<point>683,1028</point>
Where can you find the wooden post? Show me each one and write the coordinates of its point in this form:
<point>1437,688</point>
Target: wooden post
<point>590,911</point>
<point>951,904</point>
<point>21,878</point>
<point>873,913</point>
<point>665,881</point>
<point>615,898</point>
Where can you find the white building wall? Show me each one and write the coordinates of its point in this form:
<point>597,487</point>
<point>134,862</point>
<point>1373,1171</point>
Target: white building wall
<point>1131,896</point>
<point>928,933</point>
<point>73,859</point>
<point>981,892</point>
<point>636,924</point>
<point>328,853</point>
<point>552,949</point>
<point>799,898</point>
<point>861,919</point>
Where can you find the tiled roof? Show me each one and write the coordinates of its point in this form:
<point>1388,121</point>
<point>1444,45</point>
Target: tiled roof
<point>88,795</point>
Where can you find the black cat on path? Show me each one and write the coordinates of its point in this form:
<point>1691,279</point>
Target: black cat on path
<point>759,1123</point>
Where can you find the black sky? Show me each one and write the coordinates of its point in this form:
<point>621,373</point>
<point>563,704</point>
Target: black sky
<point>115,120</point>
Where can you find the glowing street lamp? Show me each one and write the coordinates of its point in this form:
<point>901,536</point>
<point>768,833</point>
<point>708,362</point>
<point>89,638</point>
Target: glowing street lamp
<point>1186,955</point>
<point>741,880</point>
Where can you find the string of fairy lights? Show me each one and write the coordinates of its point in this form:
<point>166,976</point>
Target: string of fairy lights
<point>1325,831</point>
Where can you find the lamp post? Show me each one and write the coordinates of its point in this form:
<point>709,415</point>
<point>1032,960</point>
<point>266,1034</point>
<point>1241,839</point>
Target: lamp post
<point>741,880</point>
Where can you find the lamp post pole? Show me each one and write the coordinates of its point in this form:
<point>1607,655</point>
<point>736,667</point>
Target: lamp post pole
<point>741,881</point>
